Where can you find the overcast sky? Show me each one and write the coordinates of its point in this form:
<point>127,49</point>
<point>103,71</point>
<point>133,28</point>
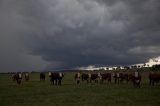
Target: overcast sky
<point>62,34</point>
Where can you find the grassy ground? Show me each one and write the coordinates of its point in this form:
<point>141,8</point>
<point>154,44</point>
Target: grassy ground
<point>36,93</point>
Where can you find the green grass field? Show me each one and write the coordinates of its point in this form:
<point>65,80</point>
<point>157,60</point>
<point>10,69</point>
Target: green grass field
<point>36,93</point>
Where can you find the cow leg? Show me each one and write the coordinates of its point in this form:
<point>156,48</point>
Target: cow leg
<point>133,83</point>
<point>90,80</point>
<point>78,81</point>
<point>82,79</point>
<point>127,81</point>
<point>118,80</point>
<point>52,82</point>
<point>96,81</point>
<point>56,82</point>
<point>18,81</point>
<point>139,84</point>
<point>59,82</point>
<point>150,82</point>
<point>109,80</point>
<point>115,80</point>
<point>121,80</point>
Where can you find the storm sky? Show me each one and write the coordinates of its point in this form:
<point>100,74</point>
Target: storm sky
<point>64,34</point>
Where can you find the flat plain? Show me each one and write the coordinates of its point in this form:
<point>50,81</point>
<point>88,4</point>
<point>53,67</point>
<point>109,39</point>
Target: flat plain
<point>42,93</point>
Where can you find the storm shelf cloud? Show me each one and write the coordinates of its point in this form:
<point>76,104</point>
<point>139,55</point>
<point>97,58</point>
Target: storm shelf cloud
<point>64,34</point>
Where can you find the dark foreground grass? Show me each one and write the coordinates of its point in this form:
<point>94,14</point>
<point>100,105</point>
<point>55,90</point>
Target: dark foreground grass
<point>36,93</point>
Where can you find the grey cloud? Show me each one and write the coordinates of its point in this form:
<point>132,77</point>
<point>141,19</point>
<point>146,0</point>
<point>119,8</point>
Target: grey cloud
<point>72,33</point>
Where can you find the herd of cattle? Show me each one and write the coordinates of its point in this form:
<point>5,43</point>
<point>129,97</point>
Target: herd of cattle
<point>55,78</point>
<point>96,77</point>
<point>101,77</point>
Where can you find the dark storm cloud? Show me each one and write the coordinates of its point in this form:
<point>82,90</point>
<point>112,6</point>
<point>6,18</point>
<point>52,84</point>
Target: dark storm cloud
<point>72,33</point>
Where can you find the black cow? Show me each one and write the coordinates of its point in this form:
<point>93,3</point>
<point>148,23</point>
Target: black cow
<point>60,77</point>
<point>136,79</point>
<point>56,78</point>
<point>42,76</point>
<point>85,77</point>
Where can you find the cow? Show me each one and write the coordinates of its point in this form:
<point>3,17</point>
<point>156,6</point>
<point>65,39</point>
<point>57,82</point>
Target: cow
<point>60,77</point>
<point>85,77</point>
<point>42,76</point>
<point>26,76</point>
<point>17,77</point>
<point>130,77</point>
<point>106,76</point>
<point>116,76</point>
<point>154,78</point>
<point>123,77</point>
<point>120,77</point>
<point>135,78</point>
<point>126,77</point>
<point>13,76</point>
<point>91,77</point>
<point>94,77</point>
<point>77,77</point>
<point>49,74</point>
<point>56,78</point>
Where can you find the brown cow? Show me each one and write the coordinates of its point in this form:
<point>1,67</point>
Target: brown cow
<point>17,77</point>
<point>130,77</point>
<point>26,76</point>
<point>135,78</point>
<point>94,77</point>
<point>106,76</point>
<point>124,77</point>
<point>13,76</point>
<point>116,76</point>
<point>77,77</point>
<point>154,78</point>
<point>49,74</point>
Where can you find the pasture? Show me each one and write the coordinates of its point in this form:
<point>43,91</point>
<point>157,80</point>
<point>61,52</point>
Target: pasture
<point>36,93</point>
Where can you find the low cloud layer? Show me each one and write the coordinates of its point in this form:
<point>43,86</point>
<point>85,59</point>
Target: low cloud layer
<point>60,34</point>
